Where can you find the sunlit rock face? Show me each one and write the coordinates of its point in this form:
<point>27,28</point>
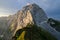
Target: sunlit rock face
<point>23,19</point>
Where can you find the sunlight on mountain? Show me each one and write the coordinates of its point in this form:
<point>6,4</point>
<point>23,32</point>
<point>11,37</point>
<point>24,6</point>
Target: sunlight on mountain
<point>4,15</point>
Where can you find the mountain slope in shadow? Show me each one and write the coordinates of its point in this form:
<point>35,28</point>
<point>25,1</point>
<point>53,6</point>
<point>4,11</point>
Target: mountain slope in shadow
<point>32,32</point>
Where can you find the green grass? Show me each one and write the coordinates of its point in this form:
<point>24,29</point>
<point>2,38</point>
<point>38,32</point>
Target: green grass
<point>1,38</point>
<point>21,37</point>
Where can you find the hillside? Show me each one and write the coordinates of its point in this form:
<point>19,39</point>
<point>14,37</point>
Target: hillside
<point>32,32</point>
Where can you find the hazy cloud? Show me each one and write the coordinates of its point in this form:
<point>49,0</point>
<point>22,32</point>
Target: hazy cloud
<point>51,7</point>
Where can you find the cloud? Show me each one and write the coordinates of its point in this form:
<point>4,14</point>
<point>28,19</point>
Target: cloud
<point>54,8</point>
<point>10,5</point>
<point>51,7</point>
<point>42,3</point>
<point>7,12</point>
<point>2,15</point>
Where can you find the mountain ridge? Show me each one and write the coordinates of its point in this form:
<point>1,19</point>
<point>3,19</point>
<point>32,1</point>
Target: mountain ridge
<point>30,14</point>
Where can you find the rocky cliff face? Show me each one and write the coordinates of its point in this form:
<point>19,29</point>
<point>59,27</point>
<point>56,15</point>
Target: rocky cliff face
<point>30,14</point>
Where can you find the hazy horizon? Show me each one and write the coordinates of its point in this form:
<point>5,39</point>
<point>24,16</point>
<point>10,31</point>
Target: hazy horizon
<point>51,7</point>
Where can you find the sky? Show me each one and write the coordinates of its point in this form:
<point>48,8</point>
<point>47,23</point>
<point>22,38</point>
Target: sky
<point>51,7</point>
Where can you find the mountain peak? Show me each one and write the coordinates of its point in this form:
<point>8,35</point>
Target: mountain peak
<point>29,14</point>
<point>31,6</point>
<point>34,12</point>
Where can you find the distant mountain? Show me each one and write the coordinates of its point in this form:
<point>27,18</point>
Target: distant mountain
<point>3,26</point>
<point>30,23</point>
<point>3,23</point>
<point>54,23</point>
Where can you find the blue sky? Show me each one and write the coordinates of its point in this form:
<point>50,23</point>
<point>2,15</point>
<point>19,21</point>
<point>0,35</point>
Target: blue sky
<point>51,7</point>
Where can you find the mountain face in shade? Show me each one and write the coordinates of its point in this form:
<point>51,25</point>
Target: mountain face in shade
<point>33,32</point>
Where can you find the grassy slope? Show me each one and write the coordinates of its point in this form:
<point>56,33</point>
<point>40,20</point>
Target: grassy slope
<point>32,32</point>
